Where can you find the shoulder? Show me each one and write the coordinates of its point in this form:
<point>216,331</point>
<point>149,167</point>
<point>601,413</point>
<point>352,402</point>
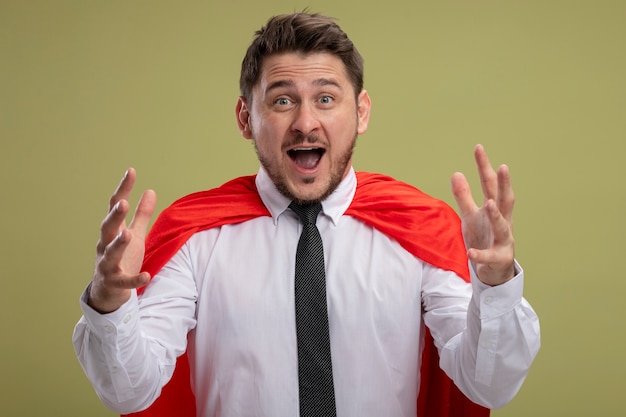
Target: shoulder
<point>232,202</point>
<point>425,226</point>
<point>239,194</point>
<point>240,187</point>
<point>384,191</point>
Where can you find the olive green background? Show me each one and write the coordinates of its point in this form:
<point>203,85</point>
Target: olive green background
<point>89,88</point>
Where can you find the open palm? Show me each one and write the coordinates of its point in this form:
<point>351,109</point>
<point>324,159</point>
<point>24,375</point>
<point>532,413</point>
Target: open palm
<point>488,229</point>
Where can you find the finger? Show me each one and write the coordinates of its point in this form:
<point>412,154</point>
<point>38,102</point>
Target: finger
<point>112,224</point>
<point>506,197</point>
<point>123,190</point>
<point>111,290</point>
<point>501,229</point>
<point>114,252</point>
<point>501,249</point>
<point>143,213</point>
<point>128,282</point>
<point>488,177</point>
<point>494,259</point>
<point>479,256</point>
<point>110,264</point>
<point>462,194</point>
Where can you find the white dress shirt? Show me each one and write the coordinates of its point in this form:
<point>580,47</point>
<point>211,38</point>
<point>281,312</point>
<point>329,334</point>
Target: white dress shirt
<point>227,297</point>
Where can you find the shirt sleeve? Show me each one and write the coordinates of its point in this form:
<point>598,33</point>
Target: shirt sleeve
<point>130,354</point>
<point>486,342</point>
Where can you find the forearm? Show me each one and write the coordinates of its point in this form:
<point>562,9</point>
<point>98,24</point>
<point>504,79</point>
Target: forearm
<point>490,359</point>
<point>128,359</point>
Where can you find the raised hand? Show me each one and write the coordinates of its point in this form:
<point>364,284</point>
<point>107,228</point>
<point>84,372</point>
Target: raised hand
<point>120,250</point>
<point>488,230</point>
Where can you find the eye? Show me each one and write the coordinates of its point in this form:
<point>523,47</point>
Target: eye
<point>283,101</point>
<point>326,99</point>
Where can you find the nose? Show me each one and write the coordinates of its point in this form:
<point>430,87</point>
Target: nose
<point>305,120</point>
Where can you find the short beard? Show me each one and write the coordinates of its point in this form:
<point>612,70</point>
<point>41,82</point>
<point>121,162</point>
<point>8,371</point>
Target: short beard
<point>336,175</point>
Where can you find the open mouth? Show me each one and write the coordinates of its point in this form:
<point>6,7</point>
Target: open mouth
<point>306,158</point>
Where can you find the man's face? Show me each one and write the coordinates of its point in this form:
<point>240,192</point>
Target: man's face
<point>304,120</point>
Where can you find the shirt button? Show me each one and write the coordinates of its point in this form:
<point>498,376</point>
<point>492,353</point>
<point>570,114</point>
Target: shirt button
<point>489,300</point>
<point>108,328</point>
<point>126,318</point>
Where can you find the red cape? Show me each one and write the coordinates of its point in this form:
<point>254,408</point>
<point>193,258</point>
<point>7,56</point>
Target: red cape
<point>427,228</point>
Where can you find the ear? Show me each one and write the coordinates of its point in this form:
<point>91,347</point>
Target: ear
<point>363,106</point>
<point>242,114</point>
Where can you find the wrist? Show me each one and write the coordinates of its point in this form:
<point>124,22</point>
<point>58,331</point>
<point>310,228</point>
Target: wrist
<point>493,278</point>
<point>105,304</point>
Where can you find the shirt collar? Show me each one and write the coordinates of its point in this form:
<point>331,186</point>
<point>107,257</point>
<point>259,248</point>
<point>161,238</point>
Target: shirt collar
<point>334,206</point>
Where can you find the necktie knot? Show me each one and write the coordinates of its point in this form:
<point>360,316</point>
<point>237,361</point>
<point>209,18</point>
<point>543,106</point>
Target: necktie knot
<point>307,212</point>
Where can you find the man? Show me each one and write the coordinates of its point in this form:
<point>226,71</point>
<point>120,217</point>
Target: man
<point>223,262</point>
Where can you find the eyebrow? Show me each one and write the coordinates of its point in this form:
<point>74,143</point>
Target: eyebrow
<point>320,82</point>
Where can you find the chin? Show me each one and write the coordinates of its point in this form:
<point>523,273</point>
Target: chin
<point>305,189</point>
<point>313,190</point>
<point>306,196</point>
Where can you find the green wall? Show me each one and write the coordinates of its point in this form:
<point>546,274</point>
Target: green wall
<point>88,88</point>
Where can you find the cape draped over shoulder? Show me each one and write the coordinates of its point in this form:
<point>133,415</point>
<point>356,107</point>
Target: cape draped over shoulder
<point>426,227</point>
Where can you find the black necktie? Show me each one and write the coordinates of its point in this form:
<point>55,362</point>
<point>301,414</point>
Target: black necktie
<point>315,373</point>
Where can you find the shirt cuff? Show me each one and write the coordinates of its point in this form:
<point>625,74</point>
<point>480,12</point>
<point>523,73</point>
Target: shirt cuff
<point>119,322</point>
<point>114,333</point>
<point>501,299</point>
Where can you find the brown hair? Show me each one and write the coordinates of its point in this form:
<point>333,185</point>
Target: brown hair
<point>299,32</point>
